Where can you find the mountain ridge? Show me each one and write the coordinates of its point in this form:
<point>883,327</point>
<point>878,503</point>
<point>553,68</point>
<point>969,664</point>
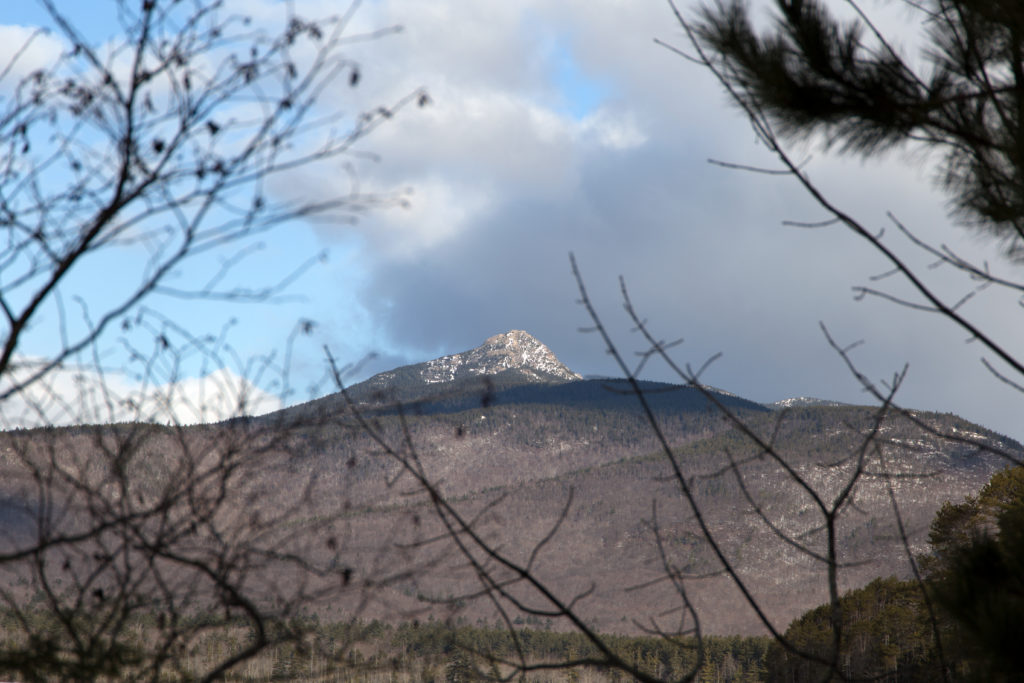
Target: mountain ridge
<point>513,367</point>
<point>514,360</point>
<point>506,369</point>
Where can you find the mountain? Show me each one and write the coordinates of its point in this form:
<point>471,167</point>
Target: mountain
<point>535,455</point>
<point>511,368</point>
<point>513,436</point>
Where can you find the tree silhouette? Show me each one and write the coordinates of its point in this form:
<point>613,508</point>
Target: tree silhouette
<point>974,572</point>
<point>813,73</point>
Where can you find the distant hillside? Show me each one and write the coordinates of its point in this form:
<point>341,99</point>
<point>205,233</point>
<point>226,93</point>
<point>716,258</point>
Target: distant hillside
<point>523,462</point>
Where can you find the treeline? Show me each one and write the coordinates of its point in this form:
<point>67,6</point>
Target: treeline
<point>436,652</point>
<point>495,651</point>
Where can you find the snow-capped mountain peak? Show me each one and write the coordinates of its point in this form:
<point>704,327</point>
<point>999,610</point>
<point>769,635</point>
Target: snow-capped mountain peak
<point>513,350</point>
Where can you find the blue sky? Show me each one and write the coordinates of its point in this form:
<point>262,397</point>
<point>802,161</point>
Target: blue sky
<point>582,93</point>
<point>561,126</point>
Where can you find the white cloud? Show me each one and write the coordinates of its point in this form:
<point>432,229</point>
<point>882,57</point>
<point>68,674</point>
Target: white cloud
<point>437,212</point>
<point>613,131</point>
<point>24,50</point>
<point>471,149</point>
<point>83,395</point>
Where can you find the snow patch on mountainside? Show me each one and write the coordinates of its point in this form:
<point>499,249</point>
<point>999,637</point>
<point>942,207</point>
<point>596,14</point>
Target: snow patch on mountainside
<point>803,402</point>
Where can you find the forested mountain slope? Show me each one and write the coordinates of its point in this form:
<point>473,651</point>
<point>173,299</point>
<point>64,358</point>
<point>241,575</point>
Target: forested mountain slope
<point>529,447</point>
<point>520,446</point>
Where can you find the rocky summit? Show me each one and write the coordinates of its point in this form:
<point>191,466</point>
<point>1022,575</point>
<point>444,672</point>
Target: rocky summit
<point>512,358</point>
<point>514,350</point>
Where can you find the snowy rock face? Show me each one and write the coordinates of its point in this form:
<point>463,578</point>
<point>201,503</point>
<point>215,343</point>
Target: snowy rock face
<point>803,402</point>
<point>515,350</point>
